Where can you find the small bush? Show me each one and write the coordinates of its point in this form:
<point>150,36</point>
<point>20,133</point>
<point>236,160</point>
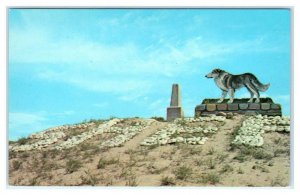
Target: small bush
<point>90,179</point>
<point>158,118</point>
<point>167,181</point>
<point>278,181</point>
<point>280,151</point>
<point>73,166</point>
<point>16,164</point>
<point>222,157</point>
<point>199,162</point>
<point>240,171</point>
<point>23,141</point>
<point>24,155</point>
<point>261,154</point>
<point>211,163</point>
<point>103,162</point>
<point>33,181</point>
<point>195,150</point>
<point>278,141</point>
<point>240,157</point>
<point>50,166</point>
<point>211,178</point>
<point>182,122</point>
<point>183,172</point>
<point>97,121</point>
<point>226,168</point>
<point>211,151</point>
<point>131,179</point>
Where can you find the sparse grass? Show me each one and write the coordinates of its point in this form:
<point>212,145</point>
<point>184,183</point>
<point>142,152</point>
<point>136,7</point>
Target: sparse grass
<point>280,151</point>
<point>11,142</point>
<point>12,154</point>
<point>102,163</point>
<point>50,166</point>
<point>261,168</point>
<point>167,181</point>
<point>23,140</point>
<point>183,172</point>
<point>87,146</point>
<point>241,157</point>
<point>53,153</point>
<point>240,171</point>
<point>271,163</point>
<point>90,179</point>
<point>226,168</point>
<point>130,177</point>
<point>109,182</point>
<point>211,163</point>
<point>24,155</point>
<point>129,151</point>
<point>112,117</point>
<point>182,122</point>
<point>97,121</point>
<point>151,147</point>
<point>195,150</point>
<point>211,178</point>
<point>199,162</point>
<point>257,153</point>
<point>278,141</point>
<point>73,166</point>
<point>33,181</point>
<point>262,154</point>
<point>221,157</point>
<point>16,165</point>
<point>277,181</point>
<point>159,118</point>
<point>154,170</point>
<point>211,151</point>
<point>75,132</point>
<point>44,154</point>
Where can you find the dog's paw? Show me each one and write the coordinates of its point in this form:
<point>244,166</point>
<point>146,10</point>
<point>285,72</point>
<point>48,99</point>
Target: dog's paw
<point>257,101</point>
<point>230,101</point>
<point>250,101</point>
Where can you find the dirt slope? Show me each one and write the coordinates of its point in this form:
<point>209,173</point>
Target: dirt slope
<point>216,163</point>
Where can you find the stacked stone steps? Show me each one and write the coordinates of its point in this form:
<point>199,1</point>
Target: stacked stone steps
<point>239,106</point>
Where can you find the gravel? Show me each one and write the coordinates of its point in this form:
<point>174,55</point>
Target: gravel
<point>253,128</point>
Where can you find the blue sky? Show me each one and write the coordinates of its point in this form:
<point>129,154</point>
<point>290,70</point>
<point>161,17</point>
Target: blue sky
<point>67,65</point>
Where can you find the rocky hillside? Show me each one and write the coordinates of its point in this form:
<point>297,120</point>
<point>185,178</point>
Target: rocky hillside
<point>228,150</point>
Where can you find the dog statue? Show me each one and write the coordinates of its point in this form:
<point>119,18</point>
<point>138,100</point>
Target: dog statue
<point>229,83</point>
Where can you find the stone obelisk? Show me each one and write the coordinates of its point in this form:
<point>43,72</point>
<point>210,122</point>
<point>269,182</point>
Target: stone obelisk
<point>175,110</point>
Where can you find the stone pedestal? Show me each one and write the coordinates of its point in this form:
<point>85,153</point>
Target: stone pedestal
<point>175,110</point>
<point>240,106</point>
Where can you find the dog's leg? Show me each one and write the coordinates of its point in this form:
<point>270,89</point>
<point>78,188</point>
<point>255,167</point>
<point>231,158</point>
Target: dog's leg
<point>224,93</point>
<point>257,97</point>
<point>251,93</point>
<point>231,93</point>
<point>254,91</point>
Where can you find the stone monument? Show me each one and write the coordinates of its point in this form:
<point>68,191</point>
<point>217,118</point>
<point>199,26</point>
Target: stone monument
<point>239,106</point>
<point>175,110</point>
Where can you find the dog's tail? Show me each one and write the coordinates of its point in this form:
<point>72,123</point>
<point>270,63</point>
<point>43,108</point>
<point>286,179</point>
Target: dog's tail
<point>259,85</point>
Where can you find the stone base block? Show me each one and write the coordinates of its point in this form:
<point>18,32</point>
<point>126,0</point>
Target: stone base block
<point>174,112</point>
<point>239,106</point>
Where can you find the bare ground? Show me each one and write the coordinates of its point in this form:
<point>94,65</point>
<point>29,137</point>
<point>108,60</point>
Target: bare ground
<point>216,163</point>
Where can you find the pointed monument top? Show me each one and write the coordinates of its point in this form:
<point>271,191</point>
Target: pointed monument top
<point>176,96</point>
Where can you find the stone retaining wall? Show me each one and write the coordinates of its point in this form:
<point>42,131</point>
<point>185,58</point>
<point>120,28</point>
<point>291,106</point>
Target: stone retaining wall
<point>240,106</point>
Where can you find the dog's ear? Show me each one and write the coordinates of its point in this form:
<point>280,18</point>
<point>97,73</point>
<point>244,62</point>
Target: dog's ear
<point>217,70</point>
<point>220,70</point>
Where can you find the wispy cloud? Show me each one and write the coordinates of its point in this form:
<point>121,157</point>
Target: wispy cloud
<point>21,124</point>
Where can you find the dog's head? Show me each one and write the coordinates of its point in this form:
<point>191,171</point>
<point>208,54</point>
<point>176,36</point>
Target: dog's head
<point>215,73</point>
